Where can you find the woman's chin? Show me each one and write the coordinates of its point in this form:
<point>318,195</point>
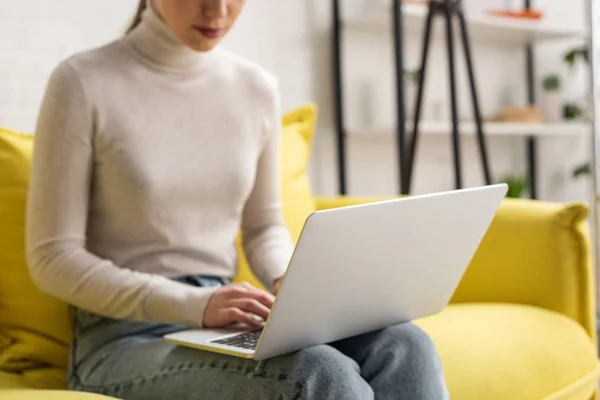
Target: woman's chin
<point>202,44</point>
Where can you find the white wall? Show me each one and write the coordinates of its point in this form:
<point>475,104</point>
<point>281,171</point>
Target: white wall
<point>292,38</point>
<point>35,35</point>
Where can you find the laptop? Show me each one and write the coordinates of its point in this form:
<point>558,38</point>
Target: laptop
<point>362,268</point>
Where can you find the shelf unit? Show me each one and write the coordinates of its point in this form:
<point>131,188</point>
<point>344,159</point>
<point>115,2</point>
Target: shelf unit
<point>411,18</point>
<point>482,26</point>
<point>492,129</point>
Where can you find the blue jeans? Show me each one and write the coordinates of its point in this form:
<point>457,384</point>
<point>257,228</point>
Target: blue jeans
<point>130,360</point>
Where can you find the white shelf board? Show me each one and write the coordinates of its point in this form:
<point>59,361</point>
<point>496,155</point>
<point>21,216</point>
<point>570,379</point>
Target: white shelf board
<point>481,26</point>
<point>492,129</point>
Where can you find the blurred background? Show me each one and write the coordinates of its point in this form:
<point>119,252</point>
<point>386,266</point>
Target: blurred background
<point>292,38</point>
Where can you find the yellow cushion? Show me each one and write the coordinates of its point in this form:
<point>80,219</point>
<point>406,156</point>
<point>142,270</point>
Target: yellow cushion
<point>36,325</point>
<point>298,202</point>
<point>47,395</point>
<point>35,328</point>
<point>501,351</point>
<point>37,378</point>
<point>11,381</point>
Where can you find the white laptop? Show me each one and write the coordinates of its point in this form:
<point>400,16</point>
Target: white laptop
<point>362,268</point>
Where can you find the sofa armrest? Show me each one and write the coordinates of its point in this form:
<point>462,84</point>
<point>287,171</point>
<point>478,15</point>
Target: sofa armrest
<point>534,253</point>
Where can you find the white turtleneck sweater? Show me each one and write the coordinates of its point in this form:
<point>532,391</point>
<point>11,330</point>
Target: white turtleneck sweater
<point>149,157</point>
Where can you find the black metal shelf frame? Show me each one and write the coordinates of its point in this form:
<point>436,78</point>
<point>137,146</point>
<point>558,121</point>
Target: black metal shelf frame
<point>404,158</point>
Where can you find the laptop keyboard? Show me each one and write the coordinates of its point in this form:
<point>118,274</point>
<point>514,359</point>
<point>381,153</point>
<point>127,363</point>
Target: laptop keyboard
<point>246,340</point>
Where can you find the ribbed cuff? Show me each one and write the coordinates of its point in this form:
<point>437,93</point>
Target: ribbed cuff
<point>176,303</point>
<point>273,268</point>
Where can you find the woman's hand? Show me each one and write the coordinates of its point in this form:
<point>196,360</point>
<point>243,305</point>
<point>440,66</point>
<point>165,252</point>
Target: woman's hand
<point>276,286</point>
<point>238,303</point>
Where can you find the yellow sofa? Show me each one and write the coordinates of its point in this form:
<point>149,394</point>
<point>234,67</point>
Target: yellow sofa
<point>520,326</point>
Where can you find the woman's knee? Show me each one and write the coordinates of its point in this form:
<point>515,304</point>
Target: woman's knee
<point>323,372</point>
<point>324,359</point>
<point>412,342</point>
<point>410,333</point>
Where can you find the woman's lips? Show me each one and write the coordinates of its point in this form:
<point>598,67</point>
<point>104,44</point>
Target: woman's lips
<point>209,33</point>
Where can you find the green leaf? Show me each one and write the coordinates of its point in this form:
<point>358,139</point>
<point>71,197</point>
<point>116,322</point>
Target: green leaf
<point>412,76</point>
<point>573,55</point>
<point>572,111</point>
<point>516,185</point>
<point>551,83</point>
<point>585,169</point>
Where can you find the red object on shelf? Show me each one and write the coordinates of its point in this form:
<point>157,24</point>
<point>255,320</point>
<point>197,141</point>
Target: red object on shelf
<point>525,14</point>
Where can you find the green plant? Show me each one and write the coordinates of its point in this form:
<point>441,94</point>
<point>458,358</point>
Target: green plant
<point>551,83</point>
<point>581,170</point>
<point>572,111</point>
<point>517,185</point>
<point>412,75</point>
<point>574,54</point>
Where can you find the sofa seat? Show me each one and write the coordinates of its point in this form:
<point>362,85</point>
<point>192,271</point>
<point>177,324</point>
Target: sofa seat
<point>489,351</point>
<point>11,381</point>
<point>35,378</point>
<point>48,395</point>
<point>504,351</point>
<point>19,387</point>
<point>23,387</point>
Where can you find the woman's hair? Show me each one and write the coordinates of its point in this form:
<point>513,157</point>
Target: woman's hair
<point>138,16</point>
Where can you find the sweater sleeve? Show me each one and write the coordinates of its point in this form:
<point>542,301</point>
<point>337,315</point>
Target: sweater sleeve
<point>266,239</point>
<point>58,202</point>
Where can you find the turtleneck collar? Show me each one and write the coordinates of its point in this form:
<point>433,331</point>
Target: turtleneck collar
<point>155,41</point>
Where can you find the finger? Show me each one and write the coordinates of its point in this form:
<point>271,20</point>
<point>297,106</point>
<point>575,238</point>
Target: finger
<point>252,306</point>
<point>234,290</point>
<point>247,285</point>
<point>275,288</point>
<point>261,296</point>
<point>235,315</point>
<point>238,291</point>
<point>250,287</point>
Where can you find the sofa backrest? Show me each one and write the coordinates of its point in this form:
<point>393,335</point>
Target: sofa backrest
<point>35,326</point>
<point>35,329</point>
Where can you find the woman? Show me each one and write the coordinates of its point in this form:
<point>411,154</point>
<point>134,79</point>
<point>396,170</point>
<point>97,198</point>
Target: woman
<point>151,153</point>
